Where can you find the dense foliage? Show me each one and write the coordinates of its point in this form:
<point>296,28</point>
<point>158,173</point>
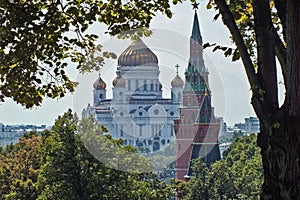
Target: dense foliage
<point>40,38</point>
<point>239,175</point>
<point>57,165</point>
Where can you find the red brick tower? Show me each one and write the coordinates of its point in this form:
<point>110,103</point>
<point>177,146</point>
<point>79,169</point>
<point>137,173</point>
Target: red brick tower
<point>197,130</point>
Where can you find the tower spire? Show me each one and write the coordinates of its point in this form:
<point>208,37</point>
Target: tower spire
<point>196,34</point>
<point>196,75</point>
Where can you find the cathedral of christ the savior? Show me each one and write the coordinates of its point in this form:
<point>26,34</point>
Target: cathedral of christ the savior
<point>137,112</point>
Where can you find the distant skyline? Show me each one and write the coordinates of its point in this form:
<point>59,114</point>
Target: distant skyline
<point>170,42</point>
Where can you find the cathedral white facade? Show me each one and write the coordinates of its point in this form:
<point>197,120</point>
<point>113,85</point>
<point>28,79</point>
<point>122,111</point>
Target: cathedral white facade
<point>137,113</point>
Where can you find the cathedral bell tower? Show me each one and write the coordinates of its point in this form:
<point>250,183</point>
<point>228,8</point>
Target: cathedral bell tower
<point>99,91</point>
<point>176,91</point>
<point>197,129</point>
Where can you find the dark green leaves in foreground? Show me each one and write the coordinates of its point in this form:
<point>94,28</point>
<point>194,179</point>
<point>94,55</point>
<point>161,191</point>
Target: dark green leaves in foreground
<point>239,175</point>
<point>57,165</point>
<point>39,38</point>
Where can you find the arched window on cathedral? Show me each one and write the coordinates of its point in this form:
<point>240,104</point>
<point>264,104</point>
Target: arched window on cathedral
<point>152,86</point>
<point>141,130</point>
<point>137,85</point>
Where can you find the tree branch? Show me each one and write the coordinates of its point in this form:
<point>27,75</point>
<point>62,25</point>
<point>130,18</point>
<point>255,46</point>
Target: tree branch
<point>280,51</point>
<point>229,21</point>
<point>280,6</point>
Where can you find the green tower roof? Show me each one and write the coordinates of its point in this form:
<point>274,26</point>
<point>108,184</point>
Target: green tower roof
<point>196,34</point>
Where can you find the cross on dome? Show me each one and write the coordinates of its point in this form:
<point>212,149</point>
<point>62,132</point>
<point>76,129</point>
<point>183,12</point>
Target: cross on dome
<point>177,66</point>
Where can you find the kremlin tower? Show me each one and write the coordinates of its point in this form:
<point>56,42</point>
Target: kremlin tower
<point>197,129</point>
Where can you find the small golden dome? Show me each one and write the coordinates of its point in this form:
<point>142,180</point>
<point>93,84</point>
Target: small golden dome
<point>119,82</point>
<point>99,84</point>
<point>137,54</point>
<point>177,82</point>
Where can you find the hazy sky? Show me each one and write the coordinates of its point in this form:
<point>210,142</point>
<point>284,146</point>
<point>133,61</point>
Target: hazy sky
<point>170,42</point>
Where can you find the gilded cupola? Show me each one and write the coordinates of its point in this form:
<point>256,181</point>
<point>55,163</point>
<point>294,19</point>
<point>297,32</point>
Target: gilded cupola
<point>137,54</point>
<point>119,81</point>
<point>177,82</point>
<point>99,84</point>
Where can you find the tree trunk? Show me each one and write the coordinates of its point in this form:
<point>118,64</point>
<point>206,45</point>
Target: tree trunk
<point>280,150</point>
<point>279,137</point>
<point>280,134</point>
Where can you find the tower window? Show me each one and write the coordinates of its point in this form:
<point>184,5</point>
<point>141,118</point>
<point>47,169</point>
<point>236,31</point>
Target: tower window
<point>152,128</point>
<point>194,78</point>
<point>128,84</point>
<point>137,85</point>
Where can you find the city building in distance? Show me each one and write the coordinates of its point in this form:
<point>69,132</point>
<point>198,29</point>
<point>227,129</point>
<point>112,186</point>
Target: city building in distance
<point>10,134</point>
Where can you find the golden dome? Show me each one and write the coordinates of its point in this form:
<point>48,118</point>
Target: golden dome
<point>99,84</point>
<point>137,54</point>
<point>177,82</point>
<point>119,82</point>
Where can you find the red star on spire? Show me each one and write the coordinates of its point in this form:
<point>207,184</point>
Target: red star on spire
<point>195,5</point>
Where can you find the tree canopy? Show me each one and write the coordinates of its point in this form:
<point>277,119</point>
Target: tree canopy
<point>39,39</point>
<point>238,175</point>
<point>57,165</point>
